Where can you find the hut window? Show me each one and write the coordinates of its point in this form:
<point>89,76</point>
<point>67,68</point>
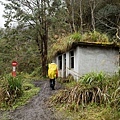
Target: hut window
<point>60,62</point>
<point>71,59</point>
<point>65,60</point>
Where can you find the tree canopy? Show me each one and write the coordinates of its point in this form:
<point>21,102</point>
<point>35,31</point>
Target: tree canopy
<point>44,21</point>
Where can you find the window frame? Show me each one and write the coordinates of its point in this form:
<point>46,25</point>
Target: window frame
<point>60,62</point>
<point>71,53</point>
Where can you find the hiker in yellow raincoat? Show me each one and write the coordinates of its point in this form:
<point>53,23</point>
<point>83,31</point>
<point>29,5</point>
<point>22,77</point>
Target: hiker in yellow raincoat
<point>52,74</point>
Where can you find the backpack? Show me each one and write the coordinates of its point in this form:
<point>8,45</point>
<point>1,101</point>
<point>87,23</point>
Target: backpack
<point>52,71</point>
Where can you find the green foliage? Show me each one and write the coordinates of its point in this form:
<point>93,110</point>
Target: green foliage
<point>29,91</point>
<point>33,22</point>
<point>61,45</point>
<point>64,44</point>
<point>14,83</point>
<point>95,37</point>
<point>76,37</point>
<point>107,18</point>
<point>95,96</point>
<point>37,72</point>
<point>91,112</point>
<point>94,79</point>
<point>22,49</point>
<point>11,89</point>
<point>6,55</point>
<point>23,41</point>
<point>16,91</point>
<point>108,10</point>
<point>114,90</point>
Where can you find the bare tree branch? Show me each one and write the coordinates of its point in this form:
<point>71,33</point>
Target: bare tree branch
<point>118,33</point>
<point>114,28</point>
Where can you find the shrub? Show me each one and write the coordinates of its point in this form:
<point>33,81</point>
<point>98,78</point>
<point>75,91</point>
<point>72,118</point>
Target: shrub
<point>94,79</point>
<point>76,36</point>
<point>95,37</point>
<point>36,72</point>
<point>12,89</point>
<point>92,88</point>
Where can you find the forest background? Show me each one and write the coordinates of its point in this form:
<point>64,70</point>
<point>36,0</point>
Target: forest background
<point>39,24</point>
<point>34,27</point>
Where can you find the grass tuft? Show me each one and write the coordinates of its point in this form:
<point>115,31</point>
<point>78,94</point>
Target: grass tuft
<point>95,97</point>
<point>64,44</point>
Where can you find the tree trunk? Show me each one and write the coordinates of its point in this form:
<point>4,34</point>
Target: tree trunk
<point>81,19</point>
<point>73,15</point>
<point>70,8</point>
<point>44,54</point>
<point>92,7</point>
<point>44,39</point>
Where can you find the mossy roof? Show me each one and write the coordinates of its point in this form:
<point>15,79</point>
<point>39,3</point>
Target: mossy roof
<point>69,42</point>
<point>92,44</point>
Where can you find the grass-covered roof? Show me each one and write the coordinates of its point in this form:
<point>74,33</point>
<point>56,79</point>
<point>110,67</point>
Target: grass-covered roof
<point>92,38</point>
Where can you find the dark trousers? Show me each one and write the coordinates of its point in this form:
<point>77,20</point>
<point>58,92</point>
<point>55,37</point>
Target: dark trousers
<point>52,83</point>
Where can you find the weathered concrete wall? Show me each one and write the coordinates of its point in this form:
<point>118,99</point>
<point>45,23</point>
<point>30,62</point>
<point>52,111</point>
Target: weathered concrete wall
<point>90,59</point>
<point>93,59</point>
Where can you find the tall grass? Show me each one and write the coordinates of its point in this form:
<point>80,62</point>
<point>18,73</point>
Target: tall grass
<point>76,37</point>
<point>63,44</point>
<point>95,37</point>
<point>115,91</point>
<point>11,88</point>
<point>16,91</point>
<point>95,97</point>
<point>92,88</point>
<point>94,79</point>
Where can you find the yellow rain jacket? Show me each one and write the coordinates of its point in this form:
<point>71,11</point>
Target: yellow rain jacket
<point>52,71</point>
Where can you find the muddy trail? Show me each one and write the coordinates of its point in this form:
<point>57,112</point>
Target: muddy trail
<point>36,108</point>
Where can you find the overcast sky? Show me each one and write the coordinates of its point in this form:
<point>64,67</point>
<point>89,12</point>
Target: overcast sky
<point>2,20</point>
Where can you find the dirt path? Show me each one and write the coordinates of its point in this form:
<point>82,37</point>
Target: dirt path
<point>36,109</point>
